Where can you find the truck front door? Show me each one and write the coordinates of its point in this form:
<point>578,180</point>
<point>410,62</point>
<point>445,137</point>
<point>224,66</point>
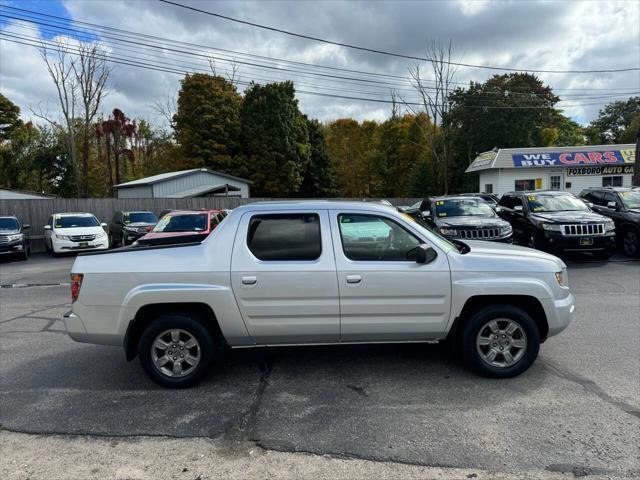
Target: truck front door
<point>384,294</point>
<point>283,276</point>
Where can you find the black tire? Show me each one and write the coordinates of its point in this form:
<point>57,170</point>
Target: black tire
<point>478,322</point>
<point>631,242</point>
<point>24,255</point>
<point>186,322</point>
<point>533,240</point>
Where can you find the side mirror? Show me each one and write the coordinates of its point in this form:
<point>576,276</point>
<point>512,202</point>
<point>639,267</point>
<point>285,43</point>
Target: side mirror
<point>426,213</point>
<point>517,208</point>
<point>497,209</point>
<point>103,225</point>
<point>589,204</point>
<point>613,205</point>
<point>47,227</point>
<point>26,226</point>
<point>423,254</point>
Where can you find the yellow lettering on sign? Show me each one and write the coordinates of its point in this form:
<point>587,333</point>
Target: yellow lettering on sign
<point>629,155</point>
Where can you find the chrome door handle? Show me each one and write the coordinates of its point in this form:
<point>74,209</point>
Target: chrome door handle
<point>354,278</point>
<point>249,280</point>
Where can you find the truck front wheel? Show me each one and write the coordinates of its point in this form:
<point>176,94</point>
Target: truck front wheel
<point>176,350</point>
<point>500,341</point>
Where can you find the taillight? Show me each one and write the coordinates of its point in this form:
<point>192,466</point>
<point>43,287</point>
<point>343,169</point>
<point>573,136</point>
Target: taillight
<point>76,283</point>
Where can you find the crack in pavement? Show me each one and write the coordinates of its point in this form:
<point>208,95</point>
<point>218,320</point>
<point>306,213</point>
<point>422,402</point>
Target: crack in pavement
<point>591,387</point>
<point>26,315</point>
<point>245,429</point>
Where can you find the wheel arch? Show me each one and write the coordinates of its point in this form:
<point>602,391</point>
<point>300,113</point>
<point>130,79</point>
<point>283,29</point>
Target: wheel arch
<point>529,304</point>
<point>148,313</point>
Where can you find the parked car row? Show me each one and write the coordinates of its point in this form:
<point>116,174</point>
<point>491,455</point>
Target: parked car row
<point>597,221</point>
<point>80,231</point>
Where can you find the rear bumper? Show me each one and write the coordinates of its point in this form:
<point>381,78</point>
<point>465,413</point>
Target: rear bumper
<point>74,327</point>
<point>593,243</point>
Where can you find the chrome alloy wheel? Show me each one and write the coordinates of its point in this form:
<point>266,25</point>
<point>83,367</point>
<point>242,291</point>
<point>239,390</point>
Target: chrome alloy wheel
<point>501,342</point>
<point>175,353</point>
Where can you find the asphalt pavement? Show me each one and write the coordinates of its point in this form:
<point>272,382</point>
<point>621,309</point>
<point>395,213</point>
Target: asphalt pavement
<point>576,410</point>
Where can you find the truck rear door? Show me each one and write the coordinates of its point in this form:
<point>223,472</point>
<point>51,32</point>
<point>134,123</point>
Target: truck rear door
<point>283,276</point>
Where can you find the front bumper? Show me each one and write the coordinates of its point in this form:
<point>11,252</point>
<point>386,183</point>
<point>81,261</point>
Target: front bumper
<point>60,246</point>
<point>585,243</point>
<point>12,248</point>
<point>560,314</point>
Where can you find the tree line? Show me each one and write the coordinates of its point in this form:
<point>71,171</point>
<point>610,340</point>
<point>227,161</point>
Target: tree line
<point>262,135</point>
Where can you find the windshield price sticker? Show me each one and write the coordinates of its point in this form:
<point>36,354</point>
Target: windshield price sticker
<point>532,198</point>
<point>440,202</point>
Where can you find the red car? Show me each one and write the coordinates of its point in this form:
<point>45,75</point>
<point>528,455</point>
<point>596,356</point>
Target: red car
<point>183,226</point>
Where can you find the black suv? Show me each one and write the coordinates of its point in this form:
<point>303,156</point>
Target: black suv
<point>464,218</point>
<point>127,227</point>
<point>622,205</point>
<point>14,238</point>
<point>557,221</point>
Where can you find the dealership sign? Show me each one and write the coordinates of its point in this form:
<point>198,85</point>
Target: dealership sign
<point>574,159</point>
<point>600,170</point>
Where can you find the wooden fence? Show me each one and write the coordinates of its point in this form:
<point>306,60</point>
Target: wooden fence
<point>36,212</point>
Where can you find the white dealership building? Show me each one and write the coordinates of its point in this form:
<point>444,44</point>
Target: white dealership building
<point>554,168</point>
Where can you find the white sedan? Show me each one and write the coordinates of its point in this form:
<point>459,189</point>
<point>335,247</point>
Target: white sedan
<point>70,232</point>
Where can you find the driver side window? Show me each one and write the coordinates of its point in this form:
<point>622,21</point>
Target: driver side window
<point>373,238</point>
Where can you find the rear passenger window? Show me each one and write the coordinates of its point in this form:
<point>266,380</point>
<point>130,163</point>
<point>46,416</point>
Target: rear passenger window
<point>285,236</point>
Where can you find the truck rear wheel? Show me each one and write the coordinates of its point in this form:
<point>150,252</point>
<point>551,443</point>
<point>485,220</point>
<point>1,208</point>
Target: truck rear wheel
<point>500,341</point>
<point>176,350</point>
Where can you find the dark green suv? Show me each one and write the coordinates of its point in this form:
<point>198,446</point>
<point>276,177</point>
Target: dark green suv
<point>622,205</point>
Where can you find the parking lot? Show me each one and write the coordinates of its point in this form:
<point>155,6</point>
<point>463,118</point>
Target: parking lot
<point>577,410</point>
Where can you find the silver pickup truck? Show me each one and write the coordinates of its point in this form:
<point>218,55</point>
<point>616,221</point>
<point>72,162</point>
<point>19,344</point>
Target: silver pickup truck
<point>318,272</point>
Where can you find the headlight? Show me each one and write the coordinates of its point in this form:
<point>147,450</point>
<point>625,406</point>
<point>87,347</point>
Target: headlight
<point>609,225</point>
<point>506,230</point>
<point>552,227</point>
<point>13,238</point>
<point>562,278</point>
<point>101,234</point>
<point>450,232</point>
<point>62,237</point>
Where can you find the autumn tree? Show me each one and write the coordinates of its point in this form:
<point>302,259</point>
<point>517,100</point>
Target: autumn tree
<point>614,122</point>
<point>116,133</point>
<point>275,139</point>
<point>207,122</point>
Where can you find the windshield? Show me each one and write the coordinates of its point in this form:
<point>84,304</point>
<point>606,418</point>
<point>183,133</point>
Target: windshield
<point>134,217</point>
<point>182,223</point>
<point>73,222</point>
<point>555,203</point>
<point>631,199</point>
<point>9,224</point>
<point>467,207</point>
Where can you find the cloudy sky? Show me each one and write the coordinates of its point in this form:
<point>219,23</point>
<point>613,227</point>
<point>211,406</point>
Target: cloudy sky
<point>562,35</point>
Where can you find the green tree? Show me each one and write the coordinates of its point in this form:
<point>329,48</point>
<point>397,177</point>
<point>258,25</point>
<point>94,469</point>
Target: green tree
<point>207,122</point>
<point>613,124</point>
<point>9,117</point>
<point>319,178</point>
<point>275,139</point>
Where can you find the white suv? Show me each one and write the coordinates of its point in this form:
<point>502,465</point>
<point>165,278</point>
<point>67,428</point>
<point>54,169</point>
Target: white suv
<point>68,232</point>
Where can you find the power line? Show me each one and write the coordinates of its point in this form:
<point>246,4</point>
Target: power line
<point>55,29</point>
<point>119,60</point>
<point>158,40</point>
<point>199,67</point>
<point>393,54</point>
